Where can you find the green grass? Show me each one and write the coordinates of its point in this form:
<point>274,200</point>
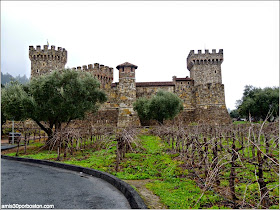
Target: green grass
<point>179,193</point>
<point>246,122</point>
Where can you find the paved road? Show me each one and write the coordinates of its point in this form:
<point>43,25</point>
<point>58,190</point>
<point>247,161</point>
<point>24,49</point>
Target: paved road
<point>27,183</point>
<point>7,146</point>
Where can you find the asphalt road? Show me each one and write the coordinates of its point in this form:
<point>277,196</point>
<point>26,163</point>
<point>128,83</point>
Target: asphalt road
<point>27,183</point>
<point>7,146</point>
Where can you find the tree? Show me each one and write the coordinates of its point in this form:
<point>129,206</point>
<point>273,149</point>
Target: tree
<point>3,117</point>
<point>142,107</point>
<point>259,102</point>
<point>53,99</point>
<point>234,113</point>
<point>162,106</point>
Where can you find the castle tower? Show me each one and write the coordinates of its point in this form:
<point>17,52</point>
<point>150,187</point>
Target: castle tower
<point>127,95</point>
<point>205,68</point>
<point>45,60</point>
<point>209,97</point>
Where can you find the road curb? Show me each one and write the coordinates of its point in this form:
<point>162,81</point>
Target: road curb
<point>131,195</point>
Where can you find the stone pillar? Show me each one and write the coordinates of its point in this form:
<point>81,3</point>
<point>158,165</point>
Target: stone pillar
<point>127,95</point>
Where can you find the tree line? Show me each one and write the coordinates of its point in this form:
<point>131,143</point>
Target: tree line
<point>7,78</point>
<point>256,104</point>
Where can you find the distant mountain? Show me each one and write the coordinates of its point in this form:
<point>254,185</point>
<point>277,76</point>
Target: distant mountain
<point>7,78</point>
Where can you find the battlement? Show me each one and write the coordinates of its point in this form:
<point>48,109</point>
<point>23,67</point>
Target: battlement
<point>98,70</point>
<point>46,53</point>
<point>206,58</point>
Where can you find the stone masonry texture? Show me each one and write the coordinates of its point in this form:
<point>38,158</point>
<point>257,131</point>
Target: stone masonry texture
<point>202,93</point>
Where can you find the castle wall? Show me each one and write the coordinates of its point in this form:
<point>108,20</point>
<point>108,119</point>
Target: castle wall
<point>210,104</point>
<point>209,94</point>
<point>148,91</point>
<point>101,117</point>
<point>184,89</point>
<point>105,116</point>
<point>212,115</point>
<point>104,74</point>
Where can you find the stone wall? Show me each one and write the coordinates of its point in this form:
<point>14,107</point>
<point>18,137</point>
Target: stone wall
<point>148,89</point>
<point>101,117</point>
<point>104,74</point>
<point>212,115</point>
<point>184,89</point>
<point>209,94</point>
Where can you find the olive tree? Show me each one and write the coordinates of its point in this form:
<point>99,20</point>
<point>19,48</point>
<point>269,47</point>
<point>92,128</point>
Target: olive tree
<point>53,99</point>
<point>162,106</point>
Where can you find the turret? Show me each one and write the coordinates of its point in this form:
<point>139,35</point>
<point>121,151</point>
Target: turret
<point>127,70</point>
<point>205,67</point>
<point>127,95</point>
<point>45,60</point>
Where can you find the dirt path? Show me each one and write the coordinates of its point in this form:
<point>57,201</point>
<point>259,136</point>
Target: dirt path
<point>150,199</point>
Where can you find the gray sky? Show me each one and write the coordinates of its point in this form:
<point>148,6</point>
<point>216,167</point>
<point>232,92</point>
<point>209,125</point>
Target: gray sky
<point>155,36</point>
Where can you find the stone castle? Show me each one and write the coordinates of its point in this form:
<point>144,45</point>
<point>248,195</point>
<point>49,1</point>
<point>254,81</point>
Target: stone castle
<point>202,93</point>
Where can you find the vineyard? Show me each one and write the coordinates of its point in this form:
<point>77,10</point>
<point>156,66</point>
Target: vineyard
<point>238,165</point>
<point>241,162</point>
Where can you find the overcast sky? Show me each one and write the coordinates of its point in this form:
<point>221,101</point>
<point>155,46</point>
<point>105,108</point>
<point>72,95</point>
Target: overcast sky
<point>155,36</point>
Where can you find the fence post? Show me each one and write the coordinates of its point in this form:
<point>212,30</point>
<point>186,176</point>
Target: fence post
<point>13,133</point>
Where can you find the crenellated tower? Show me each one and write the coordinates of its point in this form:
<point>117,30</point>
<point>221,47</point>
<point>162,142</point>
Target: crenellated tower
<point>205,67</point>
<point>45,60</point>
<point>209,97</point>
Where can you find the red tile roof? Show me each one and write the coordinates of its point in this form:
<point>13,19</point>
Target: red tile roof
<point>149,84</point>
<point>184,79</point>
<point>126,64</point>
